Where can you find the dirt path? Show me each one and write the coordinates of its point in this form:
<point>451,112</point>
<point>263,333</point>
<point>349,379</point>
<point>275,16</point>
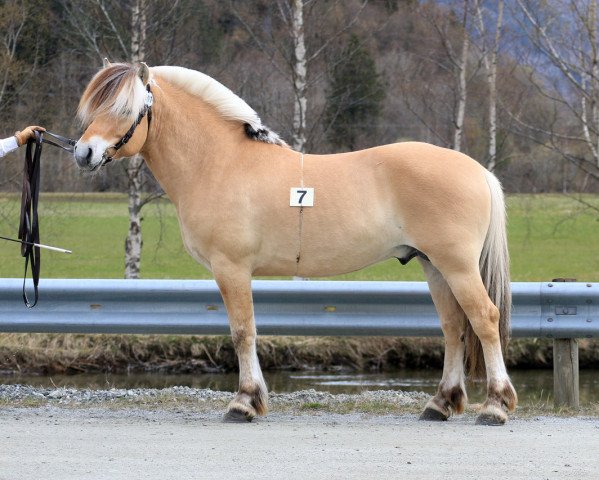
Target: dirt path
<point>60,443</point>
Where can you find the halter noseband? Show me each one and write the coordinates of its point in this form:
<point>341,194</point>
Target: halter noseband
<point>147,110</point>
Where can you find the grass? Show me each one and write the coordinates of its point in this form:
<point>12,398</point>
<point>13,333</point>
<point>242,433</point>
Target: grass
<point>550,236</point>
<point>94,228</point>
<point>51,354</point>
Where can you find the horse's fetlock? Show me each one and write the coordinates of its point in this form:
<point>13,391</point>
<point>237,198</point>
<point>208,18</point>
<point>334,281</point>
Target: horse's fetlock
<point>502,393</point>
<point>254,396</point>
<point>455,398</point>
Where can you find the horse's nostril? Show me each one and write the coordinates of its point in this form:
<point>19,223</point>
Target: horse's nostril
<point>83,155</point>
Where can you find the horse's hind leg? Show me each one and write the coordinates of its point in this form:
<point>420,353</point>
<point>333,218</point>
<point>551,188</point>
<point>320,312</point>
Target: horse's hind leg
<point>451,394</point>
<point>252,398</point>
<point>467,286</point>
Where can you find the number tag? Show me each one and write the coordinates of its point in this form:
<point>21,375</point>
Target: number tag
<point>301,197</point>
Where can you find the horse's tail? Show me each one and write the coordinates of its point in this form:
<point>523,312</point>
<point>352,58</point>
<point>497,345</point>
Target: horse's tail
<point>495,272</point>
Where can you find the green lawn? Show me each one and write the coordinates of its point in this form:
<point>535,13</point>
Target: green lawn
<point>550,236</point>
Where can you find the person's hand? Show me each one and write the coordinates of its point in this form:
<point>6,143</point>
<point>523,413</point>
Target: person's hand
<point>24,135</point>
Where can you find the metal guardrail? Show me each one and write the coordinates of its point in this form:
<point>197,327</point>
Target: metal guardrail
<point>562,311</point>
<point>549,310</point>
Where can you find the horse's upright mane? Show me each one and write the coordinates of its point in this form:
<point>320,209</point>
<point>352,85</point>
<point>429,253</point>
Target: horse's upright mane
<point>117,90</point>
<point>224,100</point>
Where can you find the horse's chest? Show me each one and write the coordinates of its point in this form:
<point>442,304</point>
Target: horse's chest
<point>193,244</point>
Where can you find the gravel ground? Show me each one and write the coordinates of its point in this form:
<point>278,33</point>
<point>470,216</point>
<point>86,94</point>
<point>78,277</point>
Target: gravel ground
<point>203,399</point>
<point>178,433</point>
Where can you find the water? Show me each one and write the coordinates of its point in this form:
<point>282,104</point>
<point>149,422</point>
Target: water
<point>532,385</point>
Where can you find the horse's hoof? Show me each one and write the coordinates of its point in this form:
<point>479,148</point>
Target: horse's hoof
<point>237,416</point>
<point>433,415</point>
<point>490,420</point>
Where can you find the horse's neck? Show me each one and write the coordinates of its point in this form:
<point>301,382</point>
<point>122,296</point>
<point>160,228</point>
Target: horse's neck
<point>188,142</point>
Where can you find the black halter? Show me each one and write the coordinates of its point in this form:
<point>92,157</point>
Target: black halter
<point>147,110</point>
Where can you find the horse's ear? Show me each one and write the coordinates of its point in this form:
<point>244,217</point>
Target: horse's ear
<point>144,73</point>
<point>106,63</point>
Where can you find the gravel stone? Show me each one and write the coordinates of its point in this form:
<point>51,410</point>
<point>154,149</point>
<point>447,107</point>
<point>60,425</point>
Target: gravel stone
<point>83,396</point>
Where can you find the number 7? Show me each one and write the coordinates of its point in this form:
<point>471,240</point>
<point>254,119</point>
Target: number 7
<point>302,194</point>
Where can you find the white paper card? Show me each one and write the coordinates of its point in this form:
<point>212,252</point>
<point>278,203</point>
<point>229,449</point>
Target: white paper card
<point>301,197</point>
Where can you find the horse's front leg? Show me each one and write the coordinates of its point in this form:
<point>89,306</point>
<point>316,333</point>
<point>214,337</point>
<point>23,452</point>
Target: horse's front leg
<point>252,398</point>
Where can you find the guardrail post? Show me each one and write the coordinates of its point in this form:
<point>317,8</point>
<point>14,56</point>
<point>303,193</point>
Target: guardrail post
<point>565,369</point>
<point>565,373</point>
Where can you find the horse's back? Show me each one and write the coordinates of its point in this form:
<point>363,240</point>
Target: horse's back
<point>370,203</point>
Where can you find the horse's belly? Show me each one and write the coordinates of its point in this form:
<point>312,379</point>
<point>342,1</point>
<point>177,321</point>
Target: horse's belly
<point>339,261</point>
<point>336,236</point>
<point>339,251</point>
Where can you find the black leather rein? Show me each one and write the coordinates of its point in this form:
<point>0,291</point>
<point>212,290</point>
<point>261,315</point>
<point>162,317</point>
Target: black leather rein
<point>29,231</point>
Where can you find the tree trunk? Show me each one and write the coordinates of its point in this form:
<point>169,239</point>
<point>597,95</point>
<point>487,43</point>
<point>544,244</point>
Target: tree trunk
<point>594,76</point>
<point>461,84</point>
<point>134,242</point>
<point>299,77</point>
<point>490,63</point>
<point>492,79</point>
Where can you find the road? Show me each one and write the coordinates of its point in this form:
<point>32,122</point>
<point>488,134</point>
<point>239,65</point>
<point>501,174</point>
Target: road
<point>61,443</point>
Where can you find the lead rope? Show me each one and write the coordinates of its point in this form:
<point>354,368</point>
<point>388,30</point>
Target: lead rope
<point>301,218</point>
<point>29,231</point>
<point>29,226</point>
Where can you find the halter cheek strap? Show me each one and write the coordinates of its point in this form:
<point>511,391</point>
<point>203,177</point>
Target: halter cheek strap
<point>147,110</point>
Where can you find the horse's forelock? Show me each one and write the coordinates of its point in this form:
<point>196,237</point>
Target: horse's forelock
<point>114,90</point>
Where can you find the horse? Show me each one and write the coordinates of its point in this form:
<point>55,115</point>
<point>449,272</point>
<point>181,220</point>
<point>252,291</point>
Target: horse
<point>248,204</point>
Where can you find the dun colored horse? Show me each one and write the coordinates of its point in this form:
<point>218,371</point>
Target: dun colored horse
<point>249,205</point>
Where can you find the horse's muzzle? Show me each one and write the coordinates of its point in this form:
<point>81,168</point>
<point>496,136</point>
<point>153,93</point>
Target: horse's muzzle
<point>83,155</point>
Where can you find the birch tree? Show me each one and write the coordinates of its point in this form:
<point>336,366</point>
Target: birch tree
<point>106,35</point>
<point>133,242</point>
<point>461,63</point>
<point>451,29</point>
<point>489,58</point>
<point>299,63</point>
<point>295,63</point>
<point>108,30</point>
